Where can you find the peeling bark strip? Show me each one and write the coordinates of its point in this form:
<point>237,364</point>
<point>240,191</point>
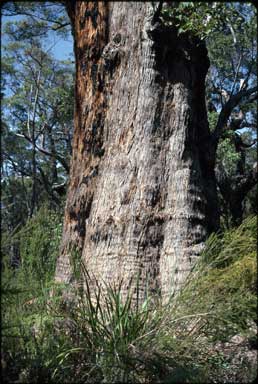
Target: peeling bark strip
<point>142,195</point>
<point>89,25</point>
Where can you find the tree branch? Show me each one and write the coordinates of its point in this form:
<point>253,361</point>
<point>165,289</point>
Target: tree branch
<point>56,156</point>
<point>46,152</point>
<point>236,75</point>
<point>60,26</point>
<point>228,107</point>
<point>22,12</point>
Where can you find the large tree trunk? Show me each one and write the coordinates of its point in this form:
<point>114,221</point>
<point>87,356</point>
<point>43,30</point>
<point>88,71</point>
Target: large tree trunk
<point>142,195</point>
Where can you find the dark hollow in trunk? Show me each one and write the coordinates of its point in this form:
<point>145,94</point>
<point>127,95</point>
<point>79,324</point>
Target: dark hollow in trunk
<point>142,194</point>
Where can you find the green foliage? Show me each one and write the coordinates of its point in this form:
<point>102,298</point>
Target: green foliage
<point>38,243</point>
<point>39,19</point>
<point>26,300</point>
<point>200,19</point>
<point>39,240</point>
<point>227,157</point>
<point>212,119</point>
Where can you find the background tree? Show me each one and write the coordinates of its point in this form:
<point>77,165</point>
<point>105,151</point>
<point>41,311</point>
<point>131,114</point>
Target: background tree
<point>38,105</point>
<point>232,103</point>
<point>37,114</point>
<point>38,18</point>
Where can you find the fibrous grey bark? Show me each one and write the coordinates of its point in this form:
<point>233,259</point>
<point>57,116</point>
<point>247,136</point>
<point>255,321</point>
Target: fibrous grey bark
<point>142,195</point>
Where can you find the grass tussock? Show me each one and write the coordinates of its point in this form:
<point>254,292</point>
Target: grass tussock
<point>103,338</point>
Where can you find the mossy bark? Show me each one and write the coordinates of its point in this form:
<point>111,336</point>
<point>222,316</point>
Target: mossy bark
<point>142,194</point>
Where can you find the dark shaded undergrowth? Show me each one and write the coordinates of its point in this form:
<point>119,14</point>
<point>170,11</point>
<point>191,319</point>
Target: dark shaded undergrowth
<point>102,338</point>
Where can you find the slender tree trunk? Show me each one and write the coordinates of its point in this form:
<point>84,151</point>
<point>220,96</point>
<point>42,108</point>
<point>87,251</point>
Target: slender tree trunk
<point>142,195</point>
<point>34,180</point>
<point>33,142</point>
<point>52,160</point>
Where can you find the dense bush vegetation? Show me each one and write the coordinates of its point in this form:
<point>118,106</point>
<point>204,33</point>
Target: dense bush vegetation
<point>102,339</point>
<point>25,289</point>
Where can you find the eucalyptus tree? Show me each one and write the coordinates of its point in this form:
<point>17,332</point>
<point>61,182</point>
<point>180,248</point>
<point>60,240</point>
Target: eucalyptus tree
<point>142,196</point>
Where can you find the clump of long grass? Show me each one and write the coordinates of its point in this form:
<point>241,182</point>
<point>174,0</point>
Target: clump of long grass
<point>223,283</point>
<point>108,329</point>
<point>218,301</point>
